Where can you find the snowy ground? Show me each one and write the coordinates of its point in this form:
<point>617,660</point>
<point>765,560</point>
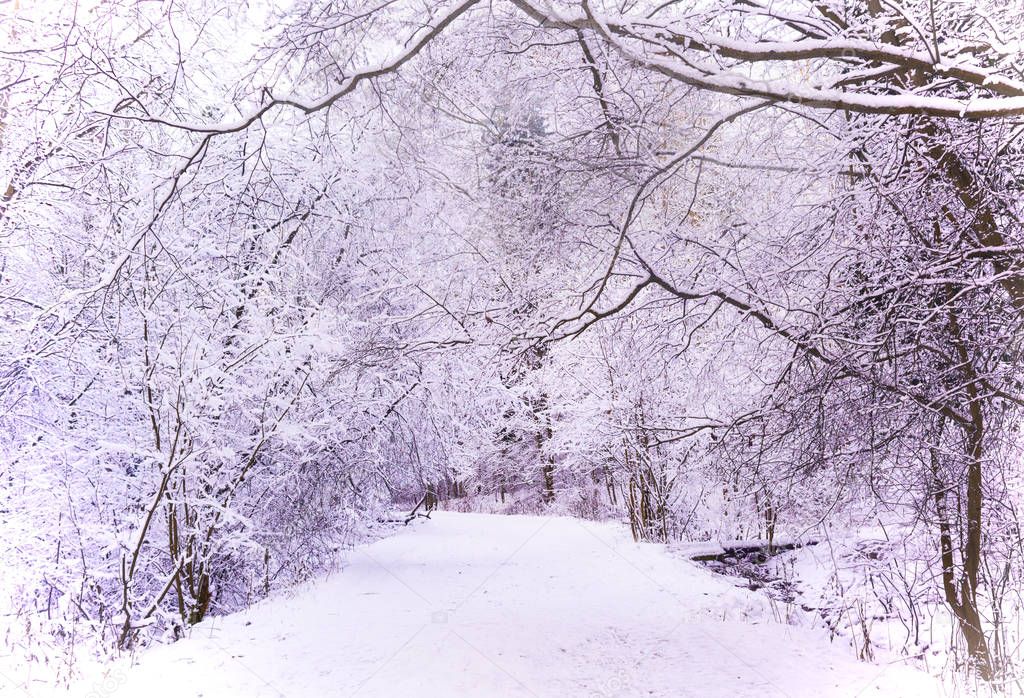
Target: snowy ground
<point>482,605</point>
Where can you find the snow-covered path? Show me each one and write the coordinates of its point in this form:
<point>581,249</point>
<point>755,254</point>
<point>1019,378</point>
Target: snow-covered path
<point>479,605</point>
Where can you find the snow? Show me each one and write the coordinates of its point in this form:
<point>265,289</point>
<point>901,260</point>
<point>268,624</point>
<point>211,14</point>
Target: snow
<point>487,605</point>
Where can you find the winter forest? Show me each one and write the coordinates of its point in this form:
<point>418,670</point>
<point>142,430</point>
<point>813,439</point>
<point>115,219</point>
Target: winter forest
<point>737,282</point>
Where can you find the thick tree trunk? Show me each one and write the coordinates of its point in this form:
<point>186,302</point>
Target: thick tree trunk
<point>969,617</point>
<point>966,609</point>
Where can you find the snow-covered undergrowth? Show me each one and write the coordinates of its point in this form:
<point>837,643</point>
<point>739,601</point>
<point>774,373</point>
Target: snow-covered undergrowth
<point>483,605</point>
<point>43,648</point>
<point>873,592</point>
<point>878,593</point>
